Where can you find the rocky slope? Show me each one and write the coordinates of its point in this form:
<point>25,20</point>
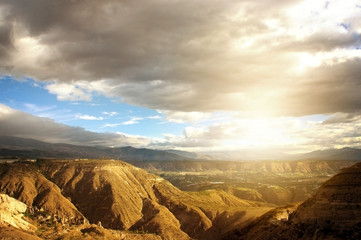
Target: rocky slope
<point>117,195</point>
<point>336,205</point>
<point>334,212</point>
<point>13,225</point>
<point>25,183</point>
<point>12,212</point>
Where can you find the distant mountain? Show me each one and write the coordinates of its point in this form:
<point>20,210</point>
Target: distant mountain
<point>347,153</point>
<point>191,155</point>
<point>30,148</point>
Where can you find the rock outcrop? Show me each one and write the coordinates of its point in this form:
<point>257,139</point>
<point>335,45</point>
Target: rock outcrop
<point>12,213</point>
<point>336,205</point>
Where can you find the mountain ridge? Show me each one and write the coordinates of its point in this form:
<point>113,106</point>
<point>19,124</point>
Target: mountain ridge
<point>30,148</point>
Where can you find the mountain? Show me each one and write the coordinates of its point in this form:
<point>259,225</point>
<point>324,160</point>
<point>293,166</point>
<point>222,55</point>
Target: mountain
<point>347,153</point>
<point>93,196</point>
<point>15,224</point>
<point>334,212</point>
<point>30,148</point>
<point>191,155</point>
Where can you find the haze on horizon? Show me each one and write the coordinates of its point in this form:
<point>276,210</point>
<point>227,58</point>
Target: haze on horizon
<point>191,75</point>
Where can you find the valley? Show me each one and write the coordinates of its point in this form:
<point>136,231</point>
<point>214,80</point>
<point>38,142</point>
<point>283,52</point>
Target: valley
<point>276,182</point>
<point>111,199</point>
<point>45,196</point>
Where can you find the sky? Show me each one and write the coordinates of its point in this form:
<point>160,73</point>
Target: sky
<point>205,76</point>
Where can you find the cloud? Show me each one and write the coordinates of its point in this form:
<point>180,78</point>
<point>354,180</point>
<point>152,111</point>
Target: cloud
<point>273,135</point>
<point>155,117</point>
<point>133,120</point>
<point>69,92</point>
<point>88,117</point>
<point>112,125</point>
<point>287,134</point>
<point>111,114</point>
<point>38,109</point>
<point>189,56</point>
<point>183,117</point>
<point>20,124</point>
<point>343,118</point>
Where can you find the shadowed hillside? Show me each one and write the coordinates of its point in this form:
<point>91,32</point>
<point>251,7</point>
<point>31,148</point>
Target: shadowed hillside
<point>334,212</point>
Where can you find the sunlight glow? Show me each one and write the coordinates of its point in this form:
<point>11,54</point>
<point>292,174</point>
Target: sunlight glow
<point>307,60</point>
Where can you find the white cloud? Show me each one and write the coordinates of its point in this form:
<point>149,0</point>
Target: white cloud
<point>88,117</point>
<point>111,125</point>
<point>5,111</point>
<point>133,120</point>
<point>111,114</point>
<point>69,92</point>
<point>184,117</point>
<point>155,117</point>
<point>282,135</point>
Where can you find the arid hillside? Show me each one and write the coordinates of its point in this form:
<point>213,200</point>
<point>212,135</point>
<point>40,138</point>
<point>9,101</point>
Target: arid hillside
<point>249,167</point>
<point>276,182</point>
<point>116,195</point>
<point>334,212</point>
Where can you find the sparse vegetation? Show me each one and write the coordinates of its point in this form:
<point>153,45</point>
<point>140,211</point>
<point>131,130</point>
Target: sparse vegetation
<point>127,198</point>
<point>273,182</point>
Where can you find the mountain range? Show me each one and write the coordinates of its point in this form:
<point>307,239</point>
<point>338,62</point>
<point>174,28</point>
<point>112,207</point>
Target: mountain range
<point>30,148</point>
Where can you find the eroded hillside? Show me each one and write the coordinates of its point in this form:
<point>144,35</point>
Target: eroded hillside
<point>334,212</point>
<point>276,182</point>
<point>117,195</point>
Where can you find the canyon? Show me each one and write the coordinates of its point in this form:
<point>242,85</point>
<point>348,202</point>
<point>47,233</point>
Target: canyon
<point>104,199</point>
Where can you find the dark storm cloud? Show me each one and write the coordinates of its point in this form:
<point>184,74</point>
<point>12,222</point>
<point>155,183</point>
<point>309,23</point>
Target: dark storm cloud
<point>328,89</point>
<point>343,118</point>
<point>181,55</point>
<point>20,124</point>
